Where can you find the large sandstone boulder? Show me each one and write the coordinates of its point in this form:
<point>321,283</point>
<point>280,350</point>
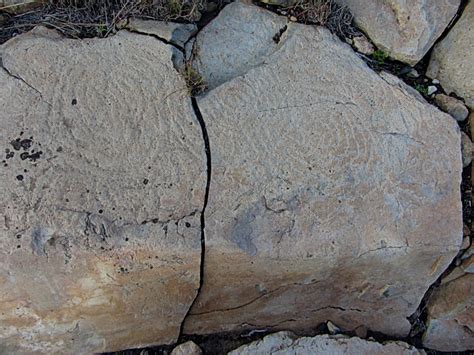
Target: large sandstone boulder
<point>102,186</point>
<point>450,324</point>
<point>406,30</point>
<point>452,58</point>
<point>285,343</point>
<point>334,192</point>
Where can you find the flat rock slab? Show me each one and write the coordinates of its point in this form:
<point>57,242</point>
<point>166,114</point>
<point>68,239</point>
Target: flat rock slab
<point>334,192</point>
<point>286,343</point>
<point>450,323</point>
<point>406,30</point>
<point>103,181</point>
<point>452,59</point>
<point>234,48</point>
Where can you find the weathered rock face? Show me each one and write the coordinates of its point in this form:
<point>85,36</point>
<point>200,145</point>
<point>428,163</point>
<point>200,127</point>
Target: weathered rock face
<point>287,343</point>
<point>450,325</point>
<point>452,58</point>
<point>325,200</point>
<point>404,29</point>
<point>226,56</point>
<point>102,188</point>
<point>176,33</point>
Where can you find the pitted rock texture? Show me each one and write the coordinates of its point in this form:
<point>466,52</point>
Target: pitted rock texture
<point>325,199</point>
<point>102,189</point>
<point>286,343</point>
<point>406,30</point>
<point>450,324</point>
<point>452,58</point>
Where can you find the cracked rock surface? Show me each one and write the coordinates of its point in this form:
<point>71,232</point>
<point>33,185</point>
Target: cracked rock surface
<point>286,343</point>
<point>404,29</point>
<point>325,201</point>
<point>103,183</point>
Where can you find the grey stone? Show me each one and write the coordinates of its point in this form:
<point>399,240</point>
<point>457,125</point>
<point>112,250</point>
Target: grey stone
<point>405,30</point>
<point>362,44</point>
<point>285,343</point>
<point>467,149</point>
<point>325,201</point>
<point>450,322</point>
<point>452,59</point>
<point>452,106</point>
<point>102,192</point>
<point>226,48</point>
<point>188,348</point>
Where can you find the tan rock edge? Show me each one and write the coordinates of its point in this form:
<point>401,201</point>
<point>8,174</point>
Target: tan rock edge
<point>286,343</point>
<point>450,323</point>
<point>452,58</point>
<point>101,198</point>
<point>406,30</point>
<point>326,202</point>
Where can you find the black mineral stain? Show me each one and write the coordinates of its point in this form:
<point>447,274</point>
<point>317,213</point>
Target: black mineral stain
<point>32,157</point>
<point>18,143</point>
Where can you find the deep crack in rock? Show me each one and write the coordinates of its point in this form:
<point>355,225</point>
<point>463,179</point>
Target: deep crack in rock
<point>207,148</point>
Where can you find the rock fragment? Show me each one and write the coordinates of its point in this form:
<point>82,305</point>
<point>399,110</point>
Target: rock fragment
<point>362,44</point>
<point>188,348</point>
<point>467,149</point>
<point>452,58</point>
<point>450,323</point>
<point>287,343</point>
<point>452,106</point>
<point>404,30</point>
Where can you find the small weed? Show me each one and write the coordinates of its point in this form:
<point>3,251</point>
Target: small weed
<point>194,81</point>
<point>421,89</point>
<point>380,56</point>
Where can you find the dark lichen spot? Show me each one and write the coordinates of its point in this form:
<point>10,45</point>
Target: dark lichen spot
<point>187,224</point>
<point>101,211</point>
<point>126,239</point>
<point>145,181</point>
<point>74,102</point>
<point>155,220</point>
<point>19,177</point>
<point>59,149</point>
<point>16,144</point>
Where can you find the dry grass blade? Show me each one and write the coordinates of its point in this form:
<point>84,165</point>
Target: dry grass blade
<point>96,18</point>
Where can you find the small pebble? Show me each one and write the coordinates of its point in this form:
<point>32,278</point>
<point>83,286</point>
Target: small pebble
<point>435,81</point>
<point>467,149</point>
<point>413,73</point>
<point>293,19</point>
<point>363,45</point>
<point>452,106</point>
<point>432,89</point>
<point>333,329</point>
